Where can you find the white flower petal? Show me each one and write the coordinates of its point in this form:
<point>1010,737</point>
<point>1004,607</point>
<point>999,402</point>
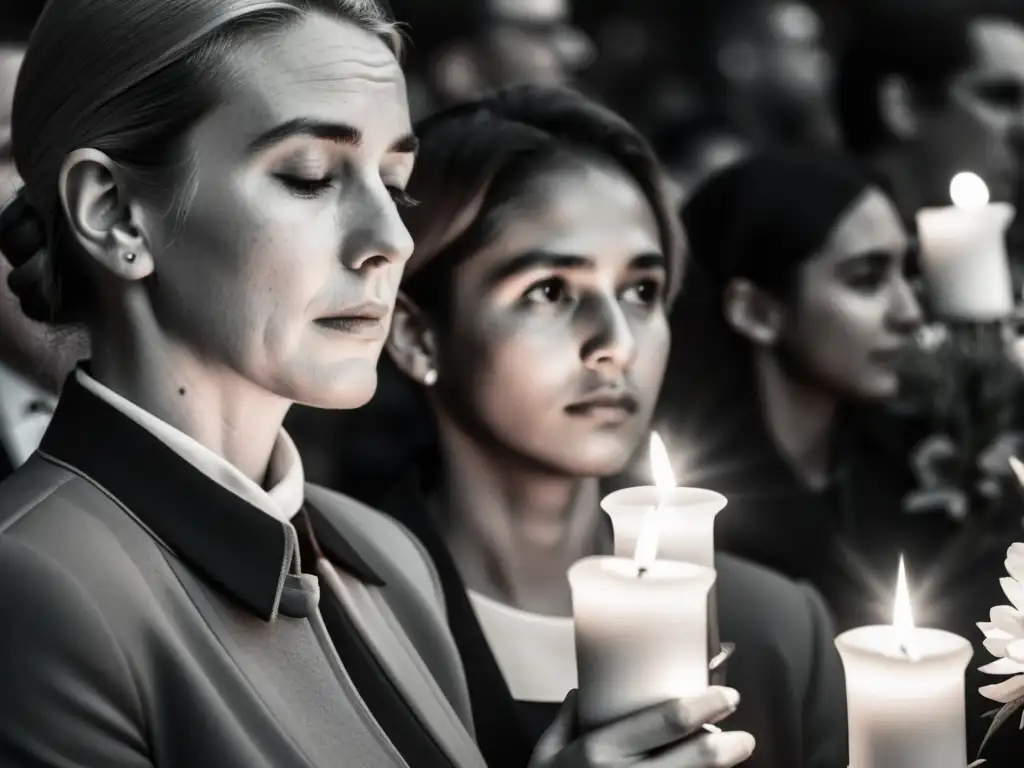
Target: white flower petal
<point>1015,561</point>
<point>1015,650</point>
<point>1014,590</point>
<point>1007,619</point>
<point>997,646</point>
<point>1002,667</point>
<point>1004,692</point>
<point>991,630</point>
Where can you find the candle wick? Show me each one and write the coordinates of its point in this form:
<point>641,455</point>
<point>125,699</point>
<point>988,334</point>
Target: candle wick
<point>641,571</point>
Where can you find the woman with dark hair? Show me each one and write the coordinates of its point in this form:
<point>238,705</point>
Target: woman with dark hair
<point>212,186</point>
<point>532,327</point>
<point>794,313</point>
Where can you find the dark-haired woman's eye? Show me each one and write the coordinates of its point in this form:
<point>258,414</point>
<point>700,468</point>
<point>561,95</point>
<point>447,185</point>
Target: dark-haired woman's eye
<point>402,198</point>
<point>550,291</point>
<point>646,292</point>
<point>301,186</point>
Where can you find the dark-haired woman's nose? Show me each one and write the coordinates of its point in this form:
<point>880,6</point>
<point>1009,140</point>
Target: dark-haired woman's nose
<point>610,342</point>
<point>905,314</point>
<point>376,236</point>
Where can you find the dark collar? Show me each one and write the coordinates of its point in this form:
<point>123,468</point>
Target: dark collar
<point>239,548</point>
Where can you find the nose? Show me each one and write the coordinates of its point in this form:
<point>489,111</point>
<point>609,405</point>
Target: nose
<point>375,235</point>
<point>610,342</point>
<point>904,310</point>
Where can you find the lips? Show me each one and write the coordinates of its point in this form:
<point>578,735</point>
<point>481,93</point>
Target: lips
<point>365,318</point>
<point>622,403</point>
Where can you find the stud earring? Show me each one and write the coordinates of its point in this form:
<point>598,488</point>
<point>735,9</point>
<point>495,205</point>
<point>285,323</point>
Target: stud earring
<point>130,257</point>
<point>430,378</point>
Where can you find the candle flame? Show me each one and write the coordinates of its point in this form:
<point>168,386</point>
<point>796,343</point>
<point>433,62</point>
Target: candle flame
<point>968,190</point>
<point>902,614</point>
<point>647,542</point>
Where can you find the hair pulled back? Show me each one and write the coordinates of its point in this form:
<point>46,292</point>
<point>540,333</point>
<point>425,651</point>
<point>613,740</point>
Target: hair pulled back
<point>128,78</point>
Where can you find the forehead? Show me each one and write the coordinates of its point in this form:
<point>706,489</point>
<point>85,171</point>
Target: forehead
<point>322,69</point>
<point>998,45</point>
<point>581,209</point>
<point>870,224</point>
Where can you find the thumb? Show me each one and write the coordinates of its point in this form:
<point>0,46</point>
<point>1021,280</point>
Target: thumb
<point>558,735</point>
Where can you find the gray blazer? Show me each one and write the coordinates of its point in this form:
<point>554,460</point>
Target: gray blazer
<point>149,617</point>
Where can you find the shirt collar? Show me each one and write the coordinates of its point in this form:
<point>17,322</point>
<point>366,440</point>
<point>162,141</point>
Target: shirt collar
<point>285,478</point>
<point>25,410</point>
<point>220,534</point>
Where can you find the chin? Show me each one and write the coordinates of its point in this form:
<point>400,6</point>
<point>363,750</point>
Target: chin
<point>883,386</point>
<point>597,458</point>
<point>344,386</point>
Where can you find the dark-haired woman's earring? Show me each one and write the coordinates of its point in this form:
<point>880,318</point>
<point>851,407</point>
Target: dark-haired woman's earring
<point>430,378</point>
<point>130,257</point>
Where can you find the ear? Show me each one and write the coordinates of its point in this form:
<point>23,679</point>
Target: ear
<point>412,344</point>
<point>457,73</point>
<point>98,207</point>
<point>897,108</point>
<point>752,313</point>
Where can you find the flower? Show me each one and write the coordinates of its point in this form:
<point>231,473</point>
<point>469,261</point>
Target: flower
<point>1004,634</point>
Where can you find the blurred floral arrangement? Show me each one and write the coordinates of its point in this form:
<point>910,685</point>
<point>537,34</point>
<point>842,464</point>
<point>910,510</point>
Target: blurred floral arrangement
<point>964,385</point>
<point>1004,639</point>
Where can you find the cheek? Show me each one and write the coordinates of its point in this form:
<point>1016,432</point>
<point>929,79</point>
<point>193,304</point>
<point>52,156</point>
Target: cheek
<point>514,373</point>
<point>246,272</point>
<point>838,334</point>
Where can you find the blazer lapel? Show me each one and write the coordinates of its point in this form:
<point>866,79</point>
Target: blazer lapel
<point>370,612</point>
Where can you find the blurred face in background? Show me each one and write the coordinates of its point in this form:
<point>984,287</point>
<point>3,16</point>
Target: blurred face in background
<point>778,58</point>
<point>979,122</point>
<point>533,41</point>
<point>852,311</point>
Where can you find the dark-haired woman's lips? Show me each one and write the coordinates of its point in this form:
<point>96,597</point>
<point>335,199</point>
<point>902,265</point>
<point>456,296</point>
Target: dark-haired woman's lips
<point>365,321</point>
<point>605,407</point>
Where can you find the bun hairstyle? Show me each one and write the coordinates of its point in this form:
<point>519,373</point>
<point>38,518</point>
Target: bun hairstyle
<point>128,78</point>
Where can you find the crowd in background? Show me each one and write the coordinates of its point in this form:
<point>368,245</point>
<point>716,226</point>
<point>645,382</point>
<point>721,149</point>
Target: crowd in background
<point>801,137</point>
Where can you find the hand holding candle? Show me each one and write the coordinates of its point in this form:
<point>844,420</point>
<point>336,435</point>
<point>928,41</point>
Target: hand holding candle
<point>905,692</point>
<point>963,253</point>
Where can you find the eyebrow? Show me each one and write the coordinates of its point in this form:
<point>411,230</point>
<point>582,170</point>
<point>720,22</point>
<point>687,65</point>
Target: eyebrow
<point>540,259</point>
<point>339,133</point>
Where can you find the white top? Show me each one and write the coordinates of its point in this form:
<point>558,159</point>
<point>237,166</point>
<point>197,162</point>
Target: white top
<point>284,474</point>
<point>25,412</point>
<point>536,653</point>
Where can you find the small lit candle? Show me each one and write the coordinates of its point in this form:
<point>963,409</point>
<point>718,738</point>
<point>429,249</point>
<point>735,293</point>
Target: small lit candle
<point>963,253</point>
<point>905,692</point>
<point>685,517</point>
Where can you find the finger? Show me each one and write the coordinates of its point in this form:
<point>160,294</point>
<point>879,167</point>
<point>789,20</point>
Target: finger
<point>558,734</point>
<point>662,724</point>
<point>711,750</point>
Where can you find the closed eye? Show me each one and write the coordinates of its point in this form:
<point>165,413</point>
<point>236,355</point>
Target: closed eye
<point>305,187</point>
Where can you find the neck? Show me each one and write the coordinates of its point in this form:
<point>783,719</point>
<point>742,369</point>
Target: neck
<point>799,418</point>
<point>213,405</point>
<point>514,530</point>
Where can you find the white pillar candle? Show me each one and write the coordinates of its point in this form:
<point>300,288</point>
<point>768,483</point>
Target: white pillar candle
<point>641,634</point>
<point>686,521</point>
<point>905,692</point>
<point>685,516</point>
<point>963,253</point>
